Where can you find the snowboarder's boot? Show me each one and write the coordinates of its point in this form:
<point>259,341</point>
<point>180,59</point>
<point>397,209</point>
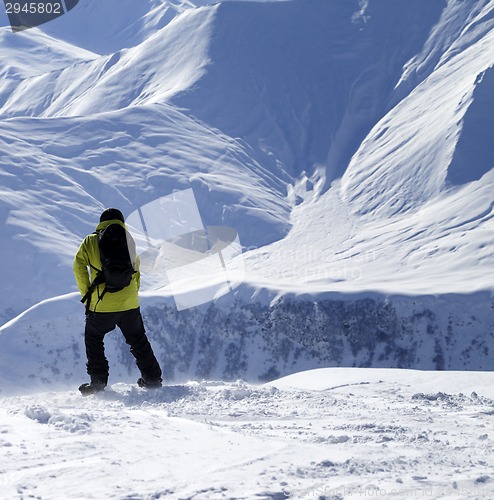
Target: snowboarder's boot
<point>149,384</point>
<point>92,388</point>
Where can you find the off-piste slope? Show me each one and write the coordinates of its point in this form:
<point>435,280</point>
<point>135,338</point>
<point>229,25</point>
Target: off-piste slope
<point>260,107</point>
<point>413,211</point>
<point>436,136</point>
<point>55,182</point>
<point>303,81</point>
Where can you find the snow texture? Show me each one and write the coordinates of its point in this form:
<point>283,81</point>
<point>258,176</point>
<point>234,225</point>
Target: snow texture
<point>348,143</point>
<point>330,433</point>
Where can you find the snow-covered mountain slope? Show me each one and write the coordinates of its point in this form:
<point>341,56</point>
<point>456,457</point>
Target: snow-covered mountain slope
<point>407,157</point>
<point>386,94</point>
<point>347,142</point>
<point>56,181</point>
<point>442,246</point>
<point>334,433</point>
<point>414,208</point>
<point>105,28</point>
<point>169,61</point>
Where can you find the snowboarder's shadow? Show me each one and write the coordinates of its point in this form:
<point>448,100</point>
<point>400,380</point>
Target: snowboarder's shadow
<point>131,395</point>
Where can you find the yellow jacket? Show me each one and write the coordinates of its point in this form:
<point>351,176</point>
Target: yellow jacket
<point>87,262</point>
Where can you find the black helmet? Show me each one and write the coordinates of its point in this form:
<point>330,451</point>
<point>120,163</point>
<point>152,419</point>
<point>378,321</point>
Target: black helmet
<point>112,214</point>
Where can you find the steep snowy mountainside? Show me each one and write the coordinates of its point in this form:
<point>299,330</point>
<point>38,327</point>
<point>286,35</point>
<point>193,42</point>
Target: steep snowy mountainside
<point>168,61</point>
<point>474,154</point>
<point>406,158</point>
<point>355,129</point>
<point>414,209</point>
<point>304,81</point>
<point>107,27</point>
<point>301,81</point>
<point>57,176</point>
<point>461,24</point>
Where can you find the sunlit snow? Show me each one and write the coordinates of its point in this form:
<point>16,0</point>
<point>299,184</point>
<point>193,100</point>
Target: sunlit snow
<point>348,146</point>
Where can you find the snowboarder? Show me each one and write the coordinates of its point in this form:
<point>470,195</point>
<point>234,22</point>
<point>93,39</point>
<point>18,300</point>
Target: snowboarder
<point>110,292</point>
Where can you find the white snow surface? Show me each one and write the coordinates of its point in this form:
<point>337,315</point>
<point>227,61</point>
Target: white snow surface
<point>349,143</point>
<point>329,433</point>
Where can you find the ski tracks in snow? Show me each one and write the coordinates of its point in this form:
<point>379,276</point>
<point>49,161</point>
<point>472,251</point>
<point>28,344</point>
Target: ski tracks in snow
<point>208,440</point>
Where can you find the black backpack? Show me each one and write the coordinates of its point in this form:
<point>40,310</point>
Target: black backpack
<point>115,258</point>
<point>117,268</point>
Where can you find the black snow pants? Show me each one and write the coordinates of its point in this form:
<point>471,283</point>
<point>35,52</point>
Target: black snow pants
<point>98,324</point>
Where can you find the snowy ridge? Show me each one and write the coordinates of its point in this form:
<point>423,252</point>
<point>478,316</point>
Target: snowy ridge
<point>162,65</point>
